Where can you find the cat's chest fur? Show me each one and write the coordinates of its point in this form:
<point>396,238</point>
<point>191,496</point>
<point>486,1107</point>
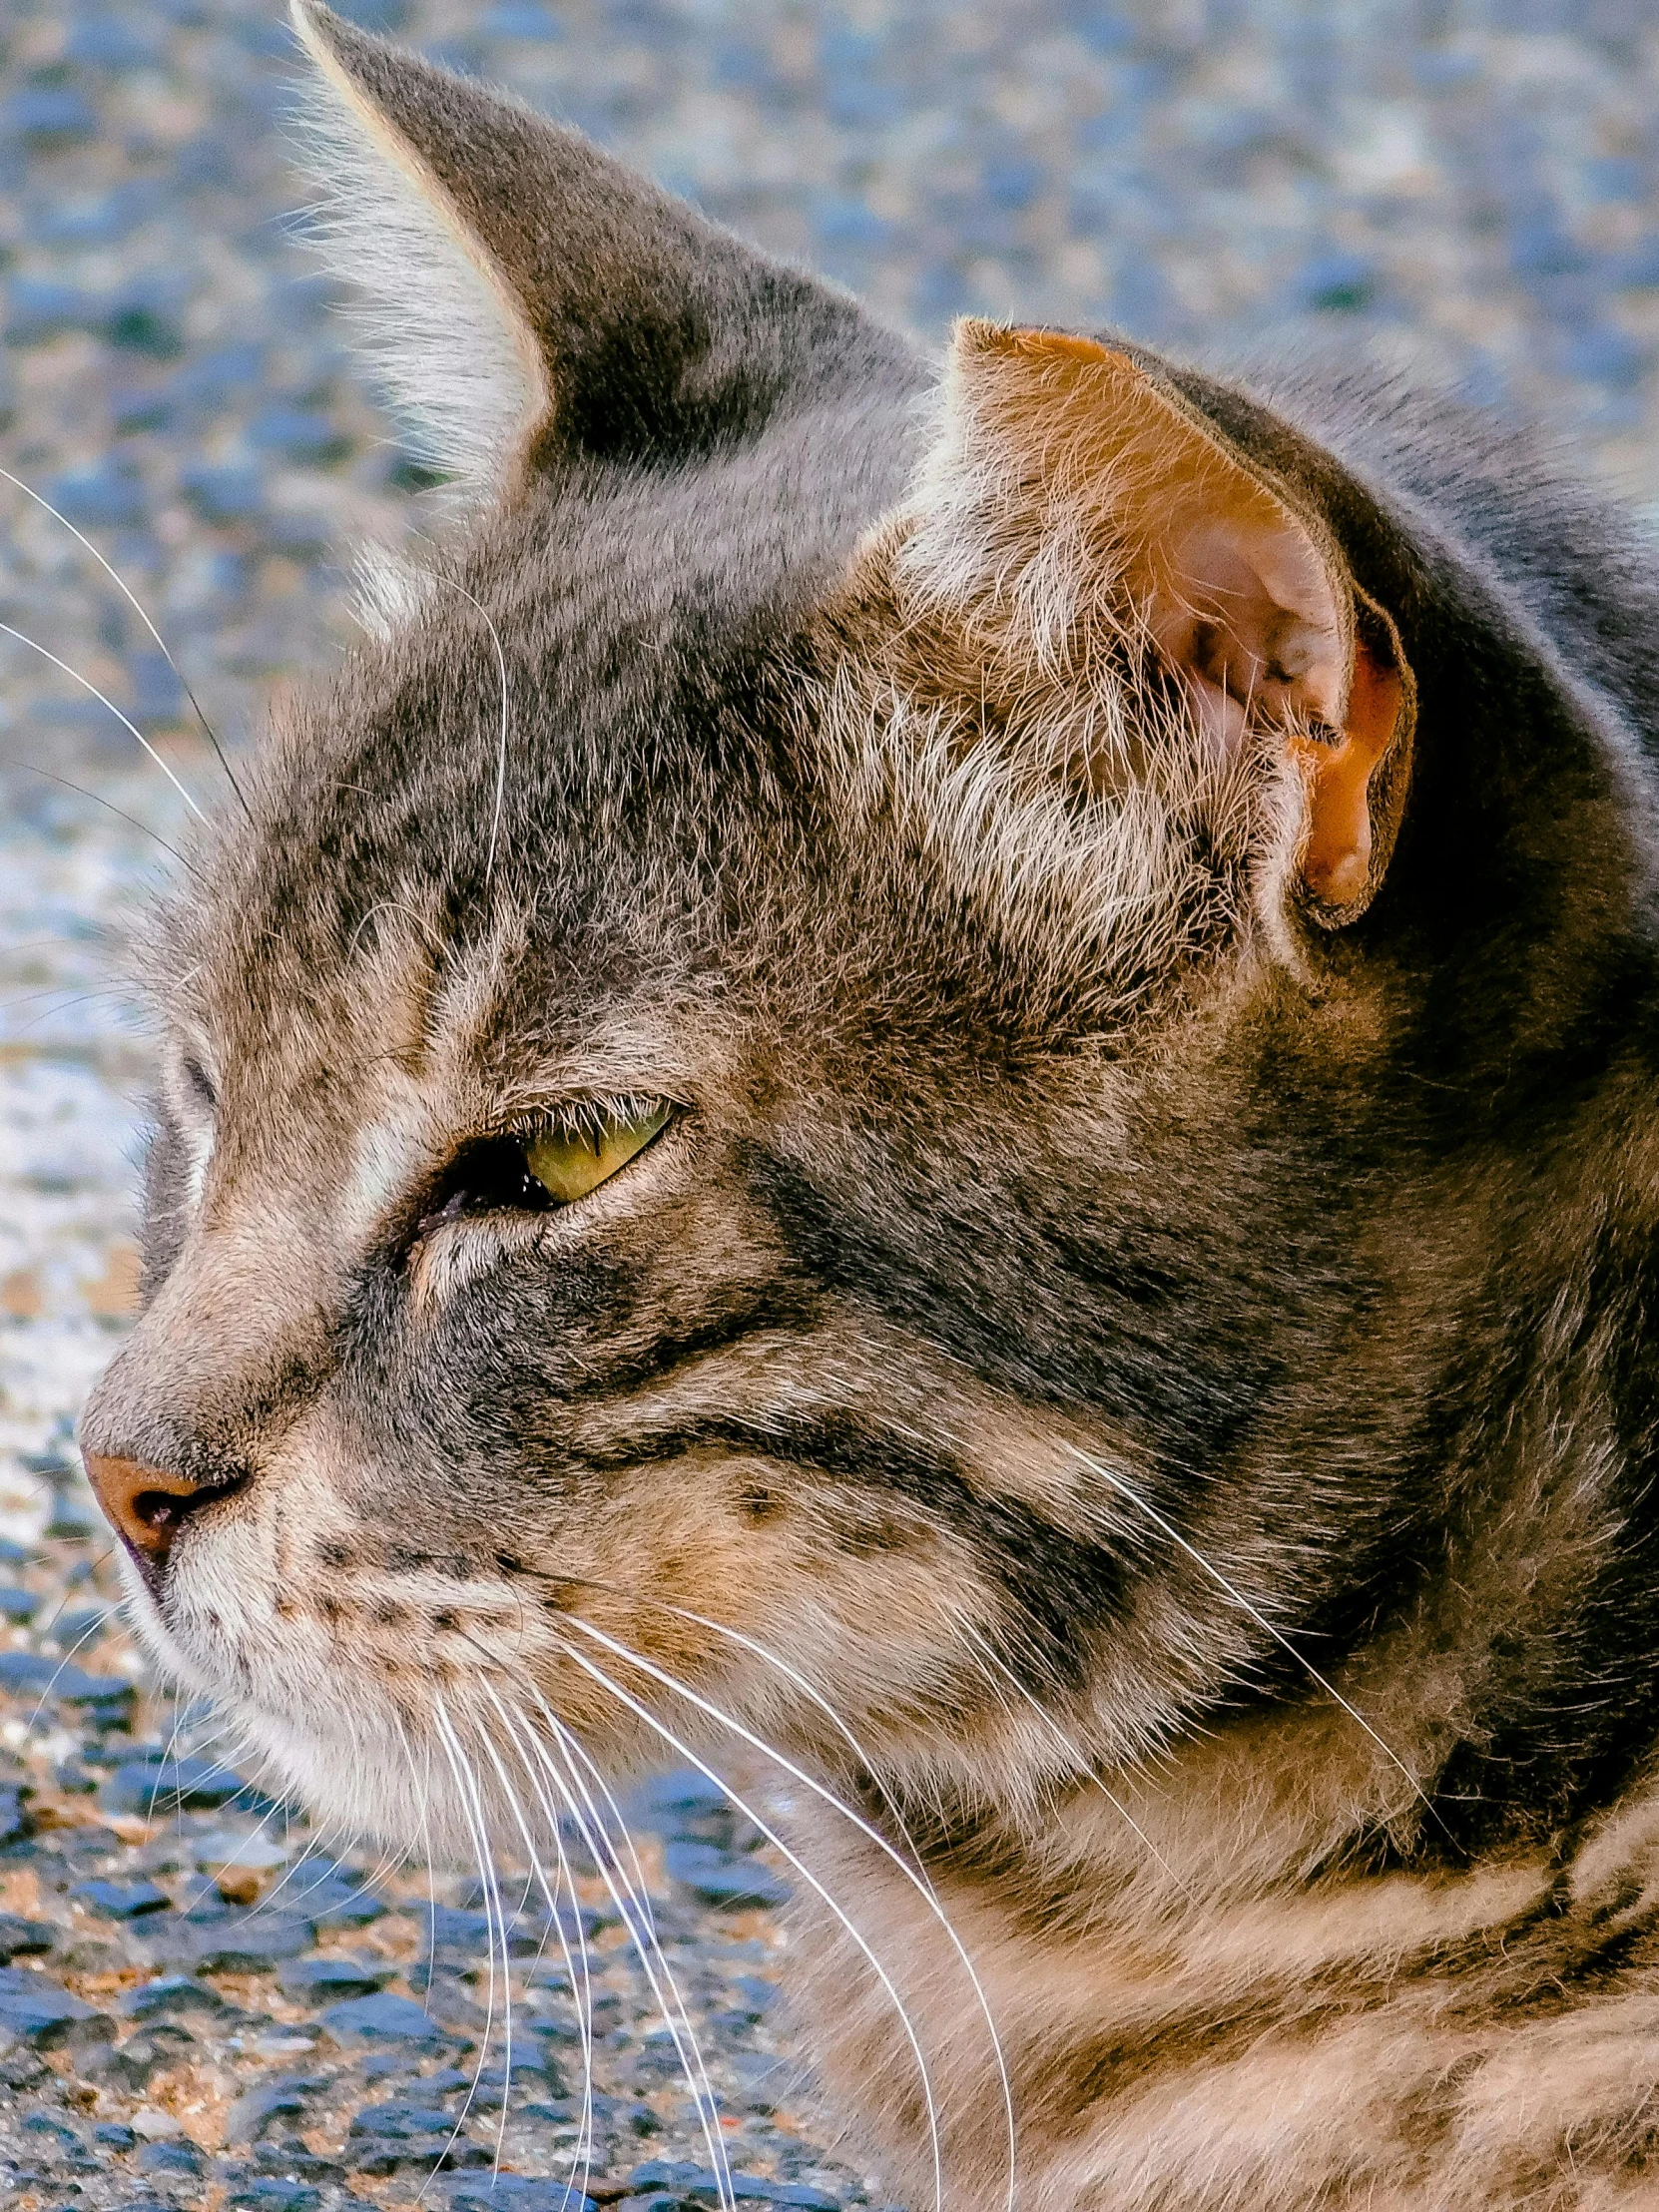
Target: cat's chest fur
<point>948,1072</point>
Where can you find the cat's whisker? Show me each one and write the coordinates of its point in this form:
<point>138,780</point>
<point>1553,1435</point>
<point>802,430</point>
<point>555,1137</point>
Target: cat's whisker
<point>63,1661</point>
<point>633,1905</point>
<point>125,721</point>
<point>596,1838</point>
<point>472,1813</point>
<point>501,753</point>
<point>173,1736</point>
<point>991,1657</point>
<point>126,593</point>
<point>496,1925</point>
<point>110,807</point>
<point>319,1839</point>
<point>396,906</point>
<point>538,1875</point>
<point>916,1871</point>
<point>581,1984</point>
<point>108,993</point>
<point>576,1755</point>
<point>793,1675</point>
<point>387,1862</point>
<point>901,2012</point>
<point>422,1797</point>
<point>534,1875</point>
<point>1230,1590</point>
<point>424,1802</point>
<point>422,1790</point>
<point>923,1889</point>
<point>45,1628</point>
<point>542,1774</point>
<point>241,1747</point>
<point>476,1826</point>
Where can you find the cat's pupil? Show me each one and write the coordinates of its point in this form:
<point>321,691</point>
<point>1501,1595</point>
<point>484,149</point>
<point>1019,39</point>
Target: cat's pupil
<point>487,1176</point>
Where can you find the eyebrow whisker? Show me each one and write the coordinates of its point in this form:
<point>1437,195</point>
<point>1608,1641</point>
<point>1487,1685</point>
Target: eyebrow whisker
<point>126,593</point>
<point>501,751</point>
<point>103,699</point>
<point>98,800</point>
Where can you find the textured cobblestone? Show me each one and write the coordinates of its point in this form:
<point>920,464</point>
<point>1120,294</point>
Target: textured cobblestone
<point>196,2006</point>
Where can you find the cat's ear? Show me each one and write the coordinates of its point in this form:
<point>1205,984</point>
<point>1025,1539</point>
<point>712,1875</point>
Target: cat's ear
<point>533,297</point>
<point>1075,495</point>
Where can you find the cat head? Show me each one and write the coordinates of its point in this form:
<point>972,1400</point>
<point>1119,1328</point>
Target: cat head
<point>777,1086</point>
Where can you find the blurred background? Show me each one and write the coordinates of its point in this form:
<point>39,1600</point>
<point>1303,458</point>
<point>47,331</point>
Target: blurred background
<point>1470,186</point>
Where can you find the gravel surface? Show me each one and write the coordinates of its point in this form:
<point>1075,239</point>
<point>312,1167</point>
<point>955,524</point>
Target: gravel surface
<point>198,2004</point>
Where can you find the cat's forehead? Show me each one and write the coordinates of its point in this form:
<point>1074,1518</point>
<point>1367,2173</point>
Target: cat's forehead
<point>526,819</point>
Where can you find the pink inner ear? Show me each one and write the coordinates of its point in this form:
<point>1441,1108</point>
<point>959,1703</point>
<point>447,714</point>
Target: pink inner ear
<point>1336,846</point>
<point>1246,614</point>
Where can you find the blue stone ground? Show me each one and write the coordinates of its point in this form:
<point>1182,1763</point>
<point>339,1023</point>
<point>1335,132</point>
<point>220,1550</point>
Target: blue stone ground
<point>198,2004</point>
<point>192,1995</point>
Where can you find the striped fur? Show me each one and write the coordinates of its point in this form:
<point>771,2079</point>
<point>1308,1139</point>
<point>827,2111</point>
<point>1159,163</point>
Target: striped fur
<point>1130,1366</point>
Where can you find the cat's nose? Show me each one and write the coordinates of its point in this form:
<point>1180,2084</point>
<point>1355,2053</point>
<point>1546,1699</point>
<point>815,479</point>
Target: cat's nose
<point>147,1505</point>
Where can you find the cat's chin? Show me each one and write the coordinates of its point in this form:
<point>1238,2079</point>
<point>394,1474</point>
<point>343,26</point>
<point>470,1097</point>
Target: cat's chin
<point>349,1784</point>
<point>365,1771</point>
<point>353,1773</point>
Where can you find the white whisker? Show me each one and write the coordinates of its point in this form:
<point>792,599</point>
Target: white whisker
<point>574,1754</point>
<point>395,907</point>
<point>501,753</point>
<point>63,1661</point>
<point>923,1889</point>
<point>535,1870</point>
<point>478,1827</point>
<point>633,1906</point>
<point>992,1657</point>
<point>684,1750</point>
<point>120,814</point>
<point>798,1681</point>
<point>1245,1606</point>
<point>581,1984</point>
<point>640,1921</point>
<point>126,593</point>
<point>87,685</point>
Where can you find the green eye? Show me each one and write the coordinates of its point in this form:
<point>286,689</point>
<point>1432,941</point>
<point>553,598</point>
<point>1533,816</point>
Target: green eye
<point>571,1161</point>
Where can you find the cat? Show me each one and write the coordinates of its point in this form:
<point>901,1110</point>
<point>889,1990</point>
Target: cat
<point>945,1072</point>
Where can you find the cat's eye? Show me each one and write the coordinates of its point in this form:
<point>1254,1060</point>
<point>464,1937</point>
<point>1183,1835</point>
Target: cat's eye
<point>571,1160</point>
<point>199,1084</point>
<point>553,1167</point>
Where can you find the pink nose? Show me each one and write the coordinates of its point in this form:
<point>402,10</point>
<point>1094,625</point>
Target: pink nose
<point>145,1506</point>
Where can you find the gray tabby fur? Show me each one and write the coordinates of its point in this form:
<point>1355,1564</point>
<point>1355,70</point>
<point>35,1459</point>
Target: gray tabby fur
<point>1162,1359</point>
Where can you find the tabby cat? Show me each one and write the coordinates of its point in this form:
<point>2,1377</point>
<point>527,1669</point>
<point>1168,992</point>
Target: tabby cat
<point>950,1075</point>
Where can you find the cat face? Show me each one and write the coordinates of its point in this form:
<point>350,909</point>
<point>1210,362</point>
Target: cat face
<point>749,1117</point>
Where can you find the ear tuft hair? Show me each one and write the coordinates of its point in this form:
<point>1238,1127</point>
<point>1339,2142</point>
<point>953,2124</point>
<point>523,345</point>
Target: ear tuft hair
<point>1077,503</point>
<point>442,329</point>
<point>536,299</point>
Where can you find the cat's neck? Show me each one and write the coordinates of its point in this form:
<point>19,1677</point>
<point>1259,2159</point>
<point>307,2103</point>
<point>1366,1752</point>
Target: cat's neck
<point>1213,1983</point>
